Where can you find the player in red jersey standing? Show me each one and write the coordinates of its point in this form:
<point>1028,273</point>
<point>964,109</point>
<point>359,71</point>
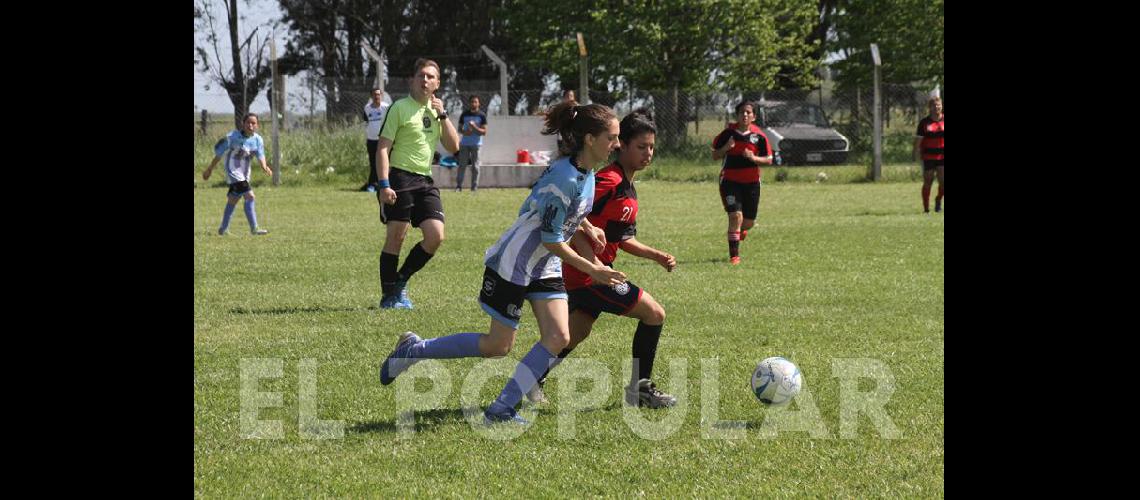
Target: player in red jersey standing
<point>928,143</point>
<point>744,148</point>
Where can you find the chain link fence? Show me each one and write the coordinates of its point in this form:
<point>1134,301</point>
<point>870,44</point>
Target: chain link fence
<point>687,121</point>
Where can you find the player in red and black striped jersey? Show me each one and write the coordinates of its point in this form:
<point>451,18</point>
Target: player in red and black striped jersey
<point>744,148</point>
<point>615,211</point>
<point>928,143</point>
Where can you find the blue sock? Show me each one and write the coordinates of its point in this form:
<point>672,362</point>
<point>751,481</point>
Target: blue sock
<point>532,366</point>
<point>459,345</point>
<point>226,217</point>
<point>250,215</point>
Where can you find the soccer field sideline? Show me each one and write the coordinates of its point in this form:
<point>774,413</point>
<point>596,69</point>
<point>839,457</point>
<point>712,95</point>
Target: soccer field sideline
<point>850,271</point>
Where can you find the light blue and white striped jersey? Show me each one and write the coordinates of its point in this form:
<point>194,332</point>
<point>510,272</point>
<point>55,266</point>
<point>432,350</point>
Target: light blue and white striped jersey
<point>237,152</point>
<point>557,203</point>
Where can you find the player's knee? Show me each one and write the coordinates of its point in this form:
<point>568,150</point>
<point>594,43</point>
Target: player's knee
<point>557,341</point>
<point>432,243</point>
<point>497,348</point>
<point>249,196</point>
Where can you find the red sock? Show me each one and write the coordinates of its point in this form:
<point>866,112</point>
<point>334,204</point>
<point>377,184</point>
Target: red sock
<point>743,234</point>
<point>926,197</point>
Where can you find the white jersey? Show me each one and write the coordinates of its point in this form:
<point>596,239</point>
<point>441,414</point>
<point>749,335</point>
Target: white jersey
<point>557,203</point>
<point>237,152</point>
<point>375,119</point>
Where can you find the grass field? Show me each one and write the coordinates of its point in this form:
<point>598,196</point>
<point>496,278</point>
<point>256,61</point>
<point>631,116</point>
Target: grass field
<point>835,274</point>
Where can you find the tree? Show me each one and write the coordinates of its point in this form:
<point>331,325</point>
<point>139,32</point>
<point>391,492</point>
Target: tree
<point>326,36</point>
<point>248,71</point>
<point>665,48</point>
<point>909,33</point>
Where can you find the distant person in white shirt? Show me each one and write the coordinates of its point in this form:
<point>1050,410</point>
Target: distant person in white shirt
<point>374,112</point>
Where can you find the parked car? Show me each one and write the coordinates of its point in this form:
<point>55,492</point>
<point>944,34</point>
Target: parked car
<point>800,133</point>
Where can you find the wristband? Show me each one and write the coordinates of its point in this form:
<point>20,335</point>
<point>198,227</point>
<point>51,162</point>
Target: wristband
<point>383,183</point>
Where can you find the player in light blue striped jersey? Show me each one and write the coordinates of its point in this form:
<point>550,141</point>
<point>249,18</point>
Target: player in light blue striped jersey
<point>238,149</point>
<point>526,262</point>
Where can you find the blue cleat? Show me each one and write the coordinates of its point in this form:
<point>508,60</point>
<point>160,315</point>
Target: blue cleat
<point>398,361</point>
<point>511,417</point>
<point>402,300</point>
<point>389,301</point>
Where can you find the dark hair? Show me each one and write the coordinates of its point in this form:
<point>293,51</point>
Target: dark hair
<point>639,121</point>
<point>475,96</point>
<point>572,122</point>
<point>247,115</point>
<point>420,63</point>
<point>743,104</point>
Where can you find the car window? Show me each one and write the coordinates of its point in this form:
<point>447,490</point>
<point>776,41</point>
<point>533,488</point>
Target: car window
<point>795,114</point>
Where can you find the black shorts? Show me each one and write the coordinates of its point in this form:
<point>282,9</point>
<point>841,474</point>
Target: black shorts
<point>417,199</point>
<point>737,197</point>
<point>932,164</point>
<point>503,300</point>
<point>239,188</point>
<point>596,299</point>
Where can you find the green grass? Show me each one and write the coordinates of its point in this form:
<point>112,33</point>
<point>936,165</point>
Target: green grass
<point>833,272</point>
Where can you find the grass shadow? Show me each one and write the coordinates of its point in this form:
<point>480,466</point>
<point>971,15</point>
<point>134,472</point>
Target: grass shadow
<point>425,420</point>
<point>293,310</point>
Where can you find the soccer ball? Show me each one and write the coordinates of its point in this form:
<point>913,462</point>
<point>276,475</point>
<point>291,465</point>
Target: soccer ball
<point>776,381</point>
<point>821,177</point>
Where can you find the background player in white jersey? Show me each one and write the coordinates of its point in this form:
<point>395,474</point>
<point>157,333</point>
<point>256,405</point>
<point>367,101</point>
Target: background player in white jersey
<point>526,261</point>
<point>237,151</point>
<point>374,111</point>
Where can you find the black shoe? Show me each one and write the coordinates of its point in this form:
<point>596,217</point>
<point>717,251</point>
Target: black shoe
<point>645,394</point>
<point>937,205</point>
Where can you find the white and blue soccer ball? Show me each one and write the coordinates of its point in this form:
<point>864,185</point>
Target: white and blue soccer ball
<point>776,381</point>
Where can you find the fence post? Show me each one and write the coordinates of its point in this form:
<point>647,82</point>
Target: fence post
<point>877,134</point>
<point>583,63</point>
<point>205,122</point>
<point>276,100</point>
<point>504,108</point>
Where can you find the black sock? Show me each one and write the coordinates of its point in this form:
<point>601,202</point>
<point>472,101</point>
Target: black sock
<point>388,272</point>
<point>415,261</point>
<point>645,349</point>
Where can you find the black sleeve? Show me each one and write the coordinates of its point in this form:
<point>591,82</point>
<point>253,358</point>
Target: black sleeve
<point>762,145</point>
<point>921,128</point>
<point>721,138</point>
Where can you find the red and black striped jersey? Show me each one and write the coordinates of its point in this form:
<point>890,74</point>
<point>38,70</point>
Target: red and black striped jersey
<point>931,133</point>
<point>615,211</point>
<point>736,168</point>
